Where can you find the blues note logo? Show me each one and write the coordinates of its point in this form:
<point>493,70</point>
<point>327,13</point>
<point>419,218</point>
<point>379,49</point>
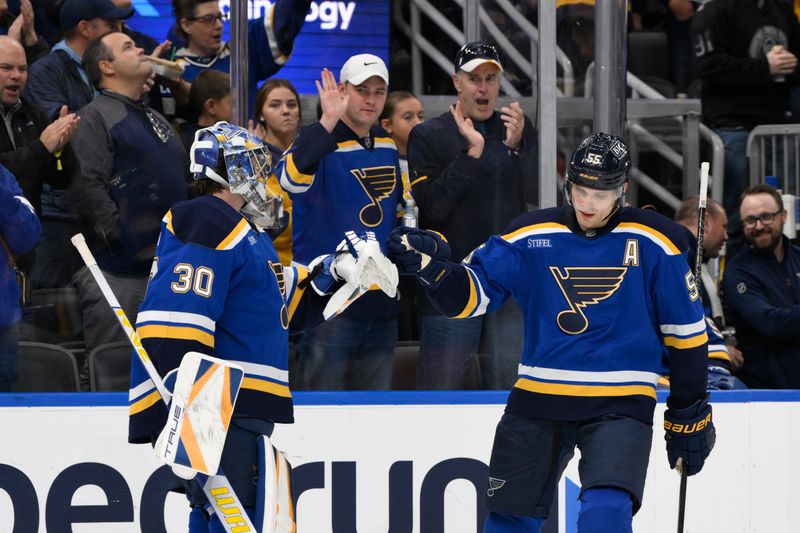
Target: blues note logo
<point>582,286</point>
<point>378,183</point>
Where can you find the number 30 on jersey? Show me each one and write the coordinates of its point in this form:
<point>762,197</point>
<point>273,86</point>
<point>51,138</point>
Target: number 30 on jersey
<point>199,280</point>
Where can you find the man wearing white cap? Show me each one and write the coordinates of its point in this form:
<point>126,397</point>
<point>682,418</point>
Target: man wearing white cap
<point>472,169</point>
<point>343,175</point>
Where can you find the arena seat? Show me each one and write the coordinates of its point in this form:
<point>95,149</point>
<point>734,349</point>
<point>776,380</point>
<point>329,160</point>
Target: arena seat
<point>45,367</point>
<point>110,367</point>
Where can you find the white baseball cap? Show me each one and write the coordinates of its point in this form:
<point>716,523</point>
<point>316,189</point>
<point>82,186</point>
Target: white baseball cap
<point>361,67</point>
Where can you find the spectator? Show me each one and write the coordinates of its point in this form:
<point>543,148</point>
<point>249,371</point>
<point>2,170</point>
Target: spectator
<point>19,231</point>
<point>342,175</point>
<point>60,78</point>
<point>133,169</point>
<point>762,290</point>
<point>33,149</point>
<point>210,100</point>
<point>21,28</point>
<point>471,168</point>
<point>270,42</point>
<point>401,113</point>
<point>55,81</point>
<point>679,43</point>
<point>724,358</point>
<point>277,123</point>
<point>746,56</point>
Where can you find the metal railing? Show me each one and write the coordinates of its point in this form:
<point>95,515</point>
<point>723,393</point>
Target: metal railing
<point>774,150</point>
<point>412,29</point>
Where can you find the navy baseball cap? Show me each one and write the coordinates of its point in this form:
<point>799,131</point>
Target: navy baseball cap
<point>74,11</point>
<point>474,54</point>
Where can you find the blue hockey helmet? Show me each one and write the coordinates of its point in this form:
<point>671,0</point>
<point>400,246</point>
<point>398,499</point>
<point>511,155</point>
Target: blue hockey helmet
<point>601,162</point>
<point>240,161</point>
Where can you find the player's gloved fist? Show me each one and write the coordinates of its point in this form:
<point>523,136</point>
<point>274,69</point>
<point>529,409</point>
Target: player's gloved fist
<point>420,252</point>
<point>690,435</point>
<point>720,378</point>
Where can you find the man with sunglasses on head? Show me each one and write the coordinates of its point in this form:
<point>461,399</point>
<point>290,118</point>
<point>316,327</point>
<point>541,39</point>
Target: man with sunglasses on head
<point>472,169</point>
<point>762,290</point>
<point>270,42</point>
<point>133,168</point>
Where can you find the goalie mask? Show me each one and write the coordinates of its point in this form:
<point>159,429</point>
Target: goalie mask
<point>601,162</point>
<point>237,159</point>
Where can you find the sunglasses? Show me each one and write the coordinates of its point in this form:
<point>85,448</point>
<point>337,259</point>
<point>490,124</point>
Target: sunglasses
<point>477,51</point>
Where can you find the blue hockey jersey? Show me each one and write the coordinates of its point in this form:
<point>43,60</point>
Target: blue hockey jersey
<point>340,183</point>
<point>599,309</point>
<point>217,287</point>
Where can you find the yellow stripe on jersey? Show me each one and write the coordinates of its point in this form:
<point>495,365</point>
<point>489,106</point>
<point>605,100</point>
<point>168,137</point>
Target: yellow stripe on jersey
<point>418,180</point>
<point>563,389</point>
<point>145,403</point>
<point>168,220</point>
<point>472,301</point>
<point>269,387</point>
<point>720,355</point>
<point>294,174</point>
<point>158,331</point>
<point>535,227</point>
<point>656,235</point>
<point>241,226</point>
<point>347,144</point>
<point>683,344</point>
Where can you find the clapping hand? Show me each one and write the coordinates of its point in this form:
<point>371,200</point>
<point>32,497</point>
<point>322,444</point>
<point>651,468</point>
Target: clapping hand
<point>514,119</point>
<point>58,134</point>
<point>466,128</point>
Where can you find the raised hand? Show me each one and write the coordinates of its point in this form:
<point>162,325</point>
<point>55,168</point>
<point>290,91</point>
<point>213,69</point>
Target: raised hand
<point>467,130</point>
<point>332,99</point>
<point>57,135</point>
<point>28,30</point>
<point>514,119</point>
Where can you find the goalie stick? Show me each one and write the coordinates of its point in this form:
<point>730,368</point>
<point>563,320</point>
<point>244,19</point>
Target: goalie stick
<point>217,488</point>
<point>698,269</point>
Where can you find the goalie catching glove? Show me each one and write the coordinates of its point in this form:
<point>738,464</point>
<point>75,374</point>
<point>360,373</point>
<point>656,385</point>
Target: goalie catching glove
<point>690,435</point>
<point>421,253</point>
<point>358,261</point>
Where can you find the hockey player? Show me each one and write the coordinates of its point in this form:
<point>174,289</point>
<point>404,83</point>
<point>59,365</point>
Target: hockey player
<point>217,287</point>
<point>604,289</point>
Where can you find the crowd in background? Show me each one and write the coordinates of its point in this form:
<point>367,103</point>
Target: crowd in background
<point>95,142</point>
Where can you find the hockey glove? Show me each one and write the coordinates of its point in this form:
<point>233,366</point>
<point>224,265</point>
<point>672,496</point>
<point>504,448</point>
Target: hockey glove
<point>421,253</point>
<point>720,378</point>
<point>690,435</point>
<point>326,270</point>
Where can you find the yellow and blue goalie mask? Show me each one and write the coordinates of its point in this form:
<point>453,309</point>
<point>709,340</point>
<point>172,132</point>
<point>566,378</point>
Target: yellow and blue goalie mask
<point>237,159</point>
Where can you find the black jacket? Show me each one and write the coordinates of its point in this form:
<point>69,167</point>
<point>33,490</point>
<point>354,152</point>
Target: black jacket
<point>731,40</point>
<point>22,153</point>
<point>465,199</point>
<point>763,295</point>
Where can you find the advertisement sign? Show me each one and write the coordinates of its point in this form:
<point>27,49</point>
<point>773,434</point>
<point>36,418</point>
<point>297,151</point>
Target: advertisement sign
<point>377,462</point>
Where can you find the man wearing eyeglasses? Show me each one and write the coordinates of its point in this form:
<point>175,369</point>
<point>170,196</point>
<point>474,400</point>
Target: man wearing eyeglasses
<point>471,169</point>
<point>201,23</point>
<point>762,289</point>
<point>133,170</point>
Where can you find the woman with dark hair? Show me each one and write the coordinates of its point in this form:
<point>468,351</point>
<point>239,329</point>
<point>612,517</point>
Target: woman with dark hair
<point>277,122</point>
<point>270,41</point>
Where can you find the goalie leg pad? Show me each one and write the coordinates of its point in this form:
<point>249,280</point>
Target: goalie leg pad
<point>240,462</point>
<point>275,511</point>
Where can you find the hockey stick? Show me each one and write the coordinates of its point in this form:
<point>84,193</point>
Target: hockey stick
<point>217,488</point>
<point>698,270</point>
